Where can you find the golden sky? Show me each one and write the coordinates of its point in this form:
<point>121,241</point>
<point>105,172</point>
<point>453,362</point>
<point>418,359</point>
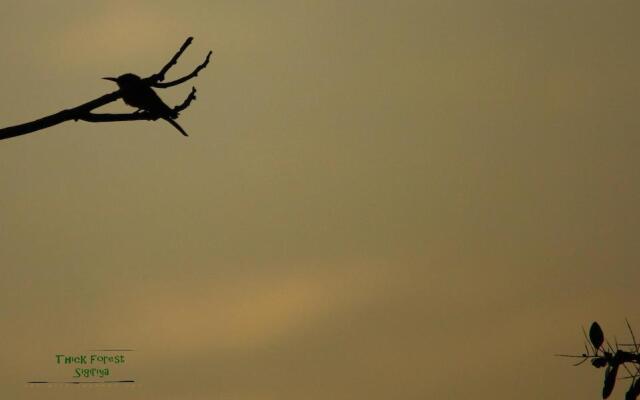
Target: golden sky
<point>377,200</point>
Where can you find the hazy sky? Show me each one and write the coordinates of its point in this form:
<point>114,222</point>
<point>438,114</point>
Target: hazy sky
<point>377,200</point>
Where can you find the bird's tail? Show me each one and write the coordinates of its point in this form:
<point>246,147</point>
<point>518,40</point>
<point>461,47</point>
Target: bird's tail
<point>175,125</point>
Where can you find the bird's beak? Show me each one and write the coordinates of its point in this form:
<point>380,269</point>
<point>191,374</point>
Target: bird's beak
<point>111,79</point>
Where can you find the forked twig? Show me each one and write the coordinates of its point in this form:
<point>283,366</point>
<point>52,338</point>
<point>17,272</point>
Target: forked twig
<point>185,78</point>
<point>191,97</point>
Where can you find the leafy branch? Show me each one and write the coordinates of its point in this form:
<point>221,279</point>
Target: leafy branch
<point>612,357</point>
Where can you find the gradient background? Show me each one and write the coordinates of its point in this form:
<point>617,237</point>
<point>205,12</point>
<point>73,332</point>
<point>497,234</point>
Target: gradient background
<point>378,200</point>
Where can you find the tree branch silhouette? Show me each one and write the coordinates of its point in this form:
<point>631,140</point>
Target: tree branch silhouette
<point>187,101</point>
<point>174,60</point>
<point>184,78</point>
<point>83,111</point>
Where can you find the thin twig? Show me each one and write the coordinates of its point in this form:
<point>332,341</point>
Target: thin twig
<point>633,337</point>
<point>185,78</point>
<point>574,356</point>
<point>191,97</point>
<point>160,75</point>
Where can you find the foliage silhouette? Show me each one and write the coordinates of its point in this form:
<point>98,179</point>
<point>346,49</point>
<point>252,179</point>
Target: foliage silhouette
<point>140,95</point>
<point>596,335</point>
<point>612,358</point>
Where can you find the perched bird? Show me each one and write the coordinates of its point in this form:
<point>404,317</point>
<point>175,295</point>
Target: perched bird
<point>136,93</point>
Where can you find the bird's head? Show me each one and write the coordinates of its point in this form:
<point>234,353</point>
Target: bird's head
<point>125,80</point>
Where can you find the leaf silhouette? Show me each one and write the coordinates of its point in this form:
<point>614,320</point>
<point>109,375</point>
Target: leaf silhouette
<point>595,335</point>
<point>609,379</point>
<point>634,390</point>
<point>599,362</point>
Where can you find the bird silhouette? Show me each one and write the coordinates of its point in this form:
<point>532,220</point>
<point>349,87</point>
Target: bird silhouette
<point>137,93</point>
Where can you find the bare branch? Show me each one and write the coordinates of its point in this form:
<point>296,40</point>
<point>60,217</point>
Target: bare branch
<point>186,77</point>
<point>83,111</point>
<point>160,75</point>
<point>137,116</point>
<point>59,117</point>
